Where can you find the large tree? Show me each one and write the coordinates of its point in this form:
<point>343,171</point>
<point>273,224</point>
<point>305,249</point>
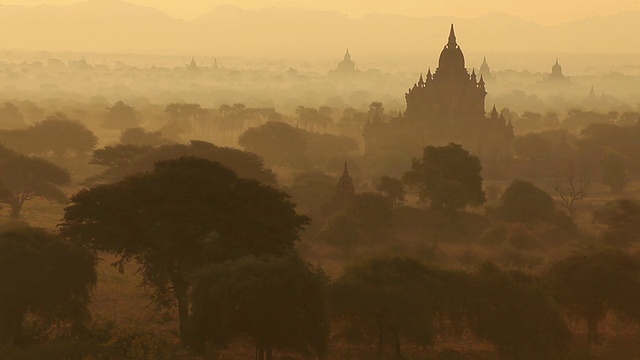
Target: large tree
<point>447,177</point>
<point>120,116</point>
<point>592,283</point>
<point>508,309</point>
<point>386,300</point>
<point>621,218</point>
<point>277,142</point>
<point>128,160</point>
<point>185,213</point>
<point>23,178</point>
<point>526,203</point>
<point>279,302</point>
<point>57,137</point>
<point>43,278</point>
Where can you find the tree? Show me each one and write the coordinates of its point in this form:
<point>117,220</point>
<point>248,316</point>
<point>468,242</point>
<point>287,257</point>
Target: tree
<point>23,178</point>
<point>244,163</point>
<point>393,188</point>
<point>376,111</point>
<point>141,137</point>
<point>277,142</point>
<point>365,220</point>
<point>388,299</point>
<point>447,177</point>
<point>120,116</point>
<point>571,191</point>
<point>508,309</point>
<point>592,283</point>
<point>43,278</point>
<point>186,213</point>
<point>279,302</point>
<point>312,190</point>
<point>115,156</point>
<point>321,148</point>
<point>614,171</point>
<point>524,202</point>
<point>56,137</point>
<point>621,217</point>
<point>11,117</point>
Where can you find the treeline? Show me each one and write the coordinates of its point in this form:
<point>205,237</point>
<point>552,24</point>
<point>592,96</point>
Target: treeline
<point>220,249</point>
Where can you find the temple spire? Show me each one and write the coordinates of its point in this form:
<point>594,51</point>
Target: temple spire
<point>345,172</point>
<point>452,39</point>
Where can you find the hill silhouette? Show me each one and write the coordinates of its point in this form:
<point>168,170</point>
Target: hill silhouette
<point>118,26</point>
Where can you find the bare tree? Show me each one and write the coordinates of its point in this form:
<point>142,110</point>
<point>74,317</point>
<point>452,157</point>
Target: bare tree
<point>572,190</point>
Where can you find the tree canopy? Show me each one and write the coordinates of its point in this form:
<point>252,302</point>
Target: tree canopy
<point>120,116</point>
<point>245,164</point>
<point>185,213</point>
<point>23,178</point>
<point>621,218</point>
<point>279,302</point>
<point>591,283</point>
<point>42,277</point>
<point>447,177</point>
<point>388,299</point>
<point>509,310</point>
<point>524,202</point>
<point>57,137</point>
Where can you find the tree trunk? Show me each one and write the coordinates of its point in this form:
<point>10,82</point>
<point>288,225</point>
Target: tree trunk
<point>396,344</point>
<point>380,333</point>
<point>592,336</point>
<point>16,208</point>
<point>183,311</point>
<point>269,353</point>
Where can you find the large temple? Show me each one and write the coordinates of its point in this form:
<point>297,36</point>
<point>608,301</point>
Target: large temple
<point>445,106</point>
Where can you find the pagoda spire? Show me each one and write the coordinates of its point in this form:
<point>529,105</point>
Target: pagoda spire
<point>421,81</point>
<point>452,38</point>
<point>345,172</point>
<point>494,112</point>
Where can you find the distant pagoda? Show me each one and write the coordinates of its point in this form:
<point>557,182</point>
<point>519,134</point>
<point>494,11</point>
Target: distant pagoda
<point>346,66</point>
<point>485,71</point>
<point>556,73</point>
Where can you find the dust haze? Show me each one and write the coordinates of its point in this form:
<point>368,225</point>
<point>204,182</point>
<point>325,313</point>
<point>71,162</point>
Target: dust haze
<point>327,180</point>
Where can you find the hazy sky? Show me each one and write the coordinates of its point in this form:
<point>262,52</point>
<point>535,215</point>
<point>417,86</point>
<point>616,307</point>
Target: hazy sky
<point>542,11</point>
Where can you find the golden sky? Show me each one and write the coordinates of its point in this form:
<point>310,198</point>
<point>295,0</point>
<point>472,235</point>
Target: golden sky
<point>543,11</point>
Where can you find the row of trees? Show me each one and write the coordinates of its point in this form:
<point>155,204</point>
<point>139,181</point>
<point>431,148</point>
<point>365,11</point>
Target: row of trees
<point>283,303</point>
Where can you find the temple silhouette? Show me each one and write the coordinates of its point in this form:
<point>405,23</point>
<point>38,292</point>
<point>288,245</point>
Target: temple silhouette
<point>485,71</point>
<point>442,107</point>
<point>556,73</point>
<point>346,66</point>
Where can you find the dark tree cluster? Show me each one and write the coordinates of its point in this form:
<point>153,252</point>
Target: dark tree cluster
<point>57,137</point>
<point>281,144</point>
<point>23,178</point>
<point>125,160</point>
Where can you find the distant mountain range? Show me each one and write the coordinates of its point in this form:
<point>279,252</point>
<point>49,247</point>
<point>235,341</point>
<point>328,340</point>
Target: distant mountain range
<point>109,26</point>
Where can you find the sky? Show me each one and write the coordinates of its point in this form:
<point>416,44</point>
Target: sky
<point>547,12</point>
